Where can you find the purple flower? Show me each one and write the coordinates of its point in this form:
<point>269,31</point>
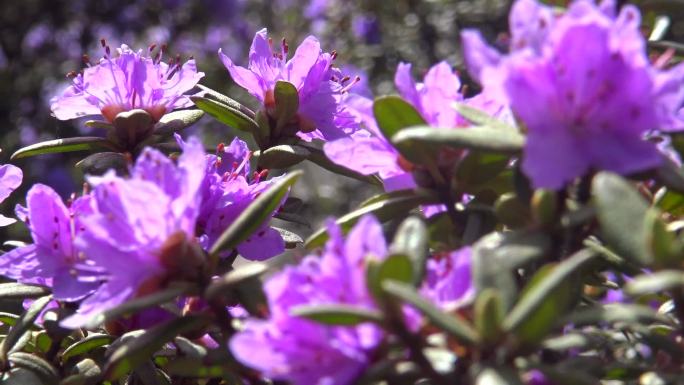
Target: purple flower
<point>226,190</point>
<point>582,86</point>
<point>321,114</point>
<point>53,259</point>
<point>146,222</point>
<point>304,352</point>
<point>368,151</point>
<point>448,281</point>
<point>10,179</point>
<point>126,82</point>
<point>435,97</point>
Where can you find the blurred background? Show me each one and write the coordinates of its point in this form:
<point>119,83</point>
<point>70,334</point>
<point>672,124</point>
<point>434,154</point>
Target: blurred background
<point>42,40</point>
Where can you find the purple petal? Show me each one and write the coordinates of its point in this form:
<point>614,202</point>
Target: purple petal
<point>478,54</point>
<point>305,57</point>
<point>244,77</point>
<point>10,179</point>
<point>404,82</point>
<point>265,244</point>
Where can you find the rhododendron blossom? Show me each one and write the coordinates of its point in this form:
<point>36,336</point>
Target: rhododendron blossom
<point>320,86</point>
<point>582,85</point>
<point>130,80</point>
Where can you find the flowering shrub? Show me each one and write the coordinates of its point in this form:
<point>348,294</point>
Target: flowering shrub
<point>526,228</point>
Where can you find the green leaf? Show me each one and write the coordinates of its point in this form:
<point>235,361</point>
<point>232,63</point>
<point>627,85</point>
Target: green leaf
<point>411,239</point>
<point>219,97</point>
<point>546,297</point>
<point>141,303</point>
<point>101,162</point>
<point>87,373</point>
<point>396,267</point>
<point>282,156</point>
<point>135,351</point>
<point>612,313</point>
<point>496,256</point>
<point>177,120</point>
<point>22,291</point>
<point>511,211</point>
<point>132,127</point>
<point>255,215</point>
<point>489,315</point>
<point>473,138</point>
<point>36,365</point>
<point>621,212</point>
<point>671,202</point>
<point>11,319</point>
<point>23,325</point>
<point>226,114</point>
<point>393,114</point>
<point>383,211</point>
<point>195,368</point>
<point>234,278</point>
<point>337,314</point>
<point>656,282</point>
<point>21,376</point>
<point>83,143</point>
<point>86,345</point>
<point>670,175</point>
<point>452,324</point>
<point>481,118</point>
<point>660,243</point>
<point>188,348</point>
<point>544,207</point>
<point>478,168</point>
<point>287,103</point>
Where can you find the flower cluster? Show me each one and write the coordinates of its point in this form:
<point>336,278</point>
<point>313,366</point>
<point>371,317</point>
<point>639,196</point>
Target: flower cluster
<point>149,220</point>
<point>528,219</point>
<point>581,84</point>
<point>304,352</point>
<point>126,82</point>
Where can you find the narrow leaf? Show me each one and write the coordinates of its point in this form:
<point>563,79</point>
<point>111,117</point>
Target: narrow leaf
<point>337,314</point>
<point>135,351</point>
<point>411,239</point>
<point>177,120</point>
<point>453,324</point>
<point>472,138</point>
<point>86,345</point>
<point>536,295</point>
<point>392,113</point>
<point>22,291</point>
<point>621,211</point>
<point>84,143</point>
<point>23,324</point>
<point>255,215</point>
<point>226,114</point>
<point>383,211</point>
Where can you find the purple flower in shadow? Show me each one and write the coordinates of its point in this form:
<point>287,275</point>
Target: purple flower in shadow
<point>305,352</point>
